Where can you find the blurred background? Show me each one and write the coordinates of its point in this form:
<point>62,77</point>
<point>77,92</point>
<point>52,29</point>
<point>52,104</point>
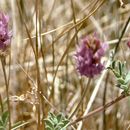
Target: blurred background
<point>49,23</point>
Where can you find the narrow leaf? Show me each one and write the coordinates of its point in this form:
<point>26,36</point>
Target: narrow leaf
<point>49,123</point>
<point>113,64</point>
<point>59,117</point>
<point>127,79</point>
<point>120,67</point>
<point>5,117</point>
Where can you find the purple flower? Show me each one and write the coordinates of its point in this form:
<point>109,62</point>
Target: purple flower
<point>5,34</point>
<point>88,56</point>
<point>128,43</point>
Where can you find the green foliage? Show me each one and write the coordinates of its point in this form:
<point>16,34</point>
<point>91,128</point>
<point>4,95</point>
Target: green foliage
<point>4,120</point>
<point>121,74</point>
<point>54,122</point>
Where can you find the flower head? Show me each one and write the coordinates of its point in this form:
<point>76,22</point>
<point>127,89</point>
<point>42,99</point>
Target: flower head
<point>128,43</point>
<point>88,56</point>
<point>5,34</point>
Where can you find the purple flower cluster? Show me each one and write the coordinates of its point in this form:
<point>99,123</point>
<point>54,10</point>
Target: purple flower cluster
<point>88,56</point>
<point>5,34</point>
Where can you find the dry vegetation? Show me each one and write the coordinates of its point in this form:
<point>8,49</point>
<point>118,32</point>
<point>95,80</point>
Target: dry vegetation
<point>42,72</point>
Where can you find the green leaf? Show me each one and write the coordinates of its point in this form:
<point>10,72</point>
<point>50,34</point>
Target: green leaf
<point>113,64</point>
<point>2,128</point>
<point>49,128</point>
<point>49,123</point>
<point>54,122</point>
<point>58,128</point>
<point>116,73</point>
<point>123,66</point>
<point>121,74</point>
<point>53,118</point>
<point>121,81</point>
<point>66,122</point>
<point>124,87</point>
<point>1,123</point>
<point>52,115</point>
<point>5,117</point>
<point>120,67</point>
<point>127,79</point>
<point>59,117</point>
<point>61,124</point>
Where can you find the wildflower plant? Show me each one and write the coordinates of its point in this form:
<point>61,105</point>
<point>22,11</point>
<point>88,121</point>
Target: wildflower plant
<point>54,122</point>
<point>88,56</point>
<point>5,42</point>
<point>32,77</point>
<point>121,74</point>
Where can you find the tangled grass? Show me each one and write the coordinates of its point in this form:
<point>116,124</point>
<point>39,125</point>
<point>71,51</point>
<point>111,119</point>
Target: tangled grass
<point>41,69</point>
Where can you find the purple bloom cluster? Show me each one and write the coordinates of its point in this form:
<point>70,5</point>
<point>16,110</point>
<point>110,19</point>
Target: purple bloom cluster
<point>5,34</point>
<point>88,56</point>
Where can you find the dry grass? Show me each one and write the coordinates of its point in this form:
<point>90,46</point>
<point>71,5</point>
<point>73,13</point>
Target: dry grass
<point>42,69</point>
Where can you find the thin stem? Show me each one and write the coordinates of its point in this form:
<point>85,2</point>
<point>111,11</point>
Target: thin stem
<point>70,23</point>
<point>82,90</point>
<point>74,19</point>
<point>81,99</point>
<point>37,65</point>
<point>116,121</point>
<point>102,108</point>
<point>92,11</point>
<point>104,101</point>
<point>1,104</point>
<point>66,76</point>
<point>121,36</point>
<point>7,89</point>
<point>53,63</point>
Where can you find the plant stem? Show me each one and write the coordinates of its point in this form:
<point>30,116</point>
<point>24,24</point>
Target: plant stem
<point>102,108</point>
<point>74,20</point>
<point>1,104</point>
<point>7,89</point>
<point>104,101</point>
<point>35,51</point>
<point>37,65</point>
<point>81,99</point>
<point>121,36</point>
